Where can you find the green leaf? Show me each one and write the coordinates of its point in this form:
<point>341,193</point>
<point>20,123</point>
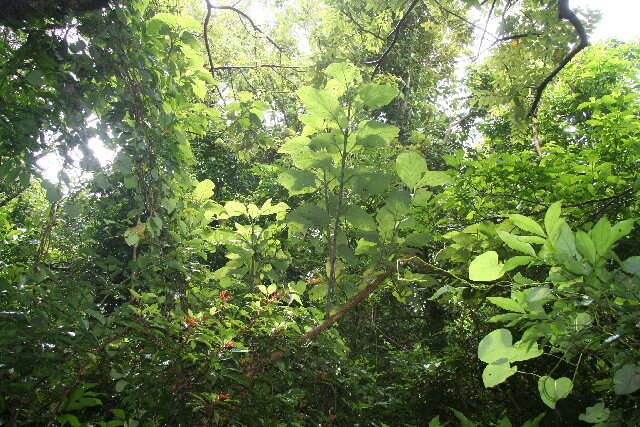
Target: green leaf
<point>168,204</point>
<point>627,379</point>
<point>375,96</point>
<point>495,346</point>
<point>435,422</point>
<point>323,104</point>
<point>586,247</point>
<point>120,385</point>
<point>581,321</point>
<point>566,242</point>
<point>525,350</point>
<point>534,422</point>
<point>422,197</point>
<point>434,178</point>
<point>516,261</point>
<point>486,268</point>
<point>365,247</point>
<point>537,294</point>
<point>297,181</point>
<point>553,390</point>
<point>410,167</point>
<point>318,292</point>
<point>527,224</point>
<point>507,304</point>
<point>552,220</point>
<point>131,237</point>
<point>35,77</point>
<point>602,236</point>
<point>373,134</point>
<point>595,414</point>
<point>344,72</point>
<point>464,421</point>
<point>621,229</point>
<point>505,422</point>
<point>204,190</point>
<point>631,265</point>
<point>497,373</point>
<point>360,219</point>
<point>515,244</point>
<point>234,208</point>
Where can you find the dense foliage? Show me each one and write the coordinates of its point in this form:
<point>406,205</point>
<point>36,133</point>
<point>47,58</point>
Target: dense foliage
<point>311,220</point>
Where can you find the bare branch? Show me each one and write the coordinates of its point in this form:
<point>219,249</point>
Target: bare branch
<point>563,13</point>
<point>486,24</point>
<point>465,20</point>
<point>245,16</point>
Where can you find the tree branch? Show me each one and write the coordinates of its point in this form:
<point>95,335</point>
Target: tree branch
<point>396,33</point>
<point>564,12</point>
<point>245,16</point>
<point>486,24</point>
<point>297,68</point>
<point>465,20</point>
<point>344,308</point>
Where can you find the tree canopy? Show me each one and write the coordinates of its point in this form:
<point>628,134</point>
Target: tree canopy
<point>364,212</point>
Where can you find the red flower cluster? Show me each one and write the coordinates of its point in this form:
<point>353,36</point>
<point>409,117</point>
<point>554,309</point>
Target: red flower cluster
<point>224,297</point>
<point>223,396</point>
<point>229,344</point>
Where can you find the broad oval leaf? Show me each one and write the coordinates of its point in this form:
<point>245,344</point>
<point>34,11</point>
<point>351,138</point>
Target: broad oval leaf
<point>627,379</point>
<point>486,268</point>
<point>497,373</point>
<point>375,96</point>
<point>297,181</point>
<point>410,167</point>
<point>495,346</point>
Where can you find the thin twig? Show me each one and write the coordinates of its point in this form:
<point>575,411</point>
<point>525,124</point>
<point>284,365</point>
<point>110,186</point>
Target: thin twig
<point>465,20</point>
<point>245,16</point>
<point>297,68</point>
<point>486,24</point>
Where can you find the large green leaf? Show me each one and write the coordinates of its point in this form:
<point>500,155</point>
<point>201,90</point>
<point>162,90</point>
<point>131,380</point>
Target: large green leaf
<point>297,181</point>
<point>410,167</point>
<point>496,346</point>
<point>586,247</point>
<point>595,414</point>
<point>486,267</point>
<point>626,380</point>
<point>204,190</point>
<point>552,220</point>
<point>525,350</point>
<point>435,178</point>
<point>360,219</point>
<point>497,373</point>
<point>375,95</point>
<point>323,104</point>
<point>553,390</point>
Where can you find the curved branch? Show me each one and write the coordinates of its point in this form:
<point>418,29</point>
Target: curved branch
<point>396,33</point>
<point>245,16</point>
<point>564,12</point>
